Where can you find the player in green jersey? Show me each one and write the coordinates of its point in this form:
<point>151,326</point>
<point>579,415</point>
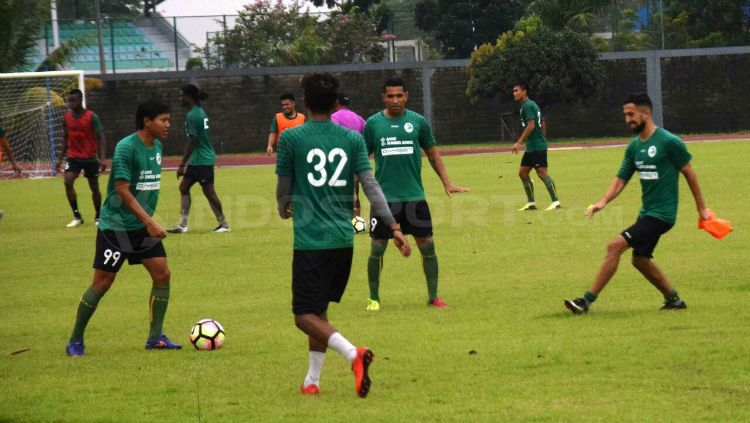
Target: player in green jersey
<point>535,155</point>
<point>199,158</point>
<point>316,164</point>
<point>396,137</point>
<point>659,157</point>
<point>127,229</point>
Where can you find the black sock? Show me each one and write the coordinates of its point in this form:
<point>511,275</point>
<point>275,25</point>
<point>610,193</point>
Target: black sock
<point>74,207</point>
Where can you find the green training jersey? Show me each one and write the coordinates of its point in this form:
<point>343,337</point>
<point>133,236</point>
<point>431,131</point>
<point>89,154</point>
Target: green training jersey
<point>134,162</point>
<point>658,161</point>
<point>322,158</point>
<point>196,125</point>
<point>397,145</point>
<point>535,141</point>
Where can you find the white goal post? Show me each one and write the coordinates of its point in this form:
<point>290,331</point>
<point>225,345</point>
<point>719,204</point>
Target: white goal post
<point>32,108</point>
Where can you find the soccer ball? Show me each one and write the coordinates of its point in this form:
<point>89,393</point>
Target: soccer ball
<point>358,225</point>
<point>207,334</point>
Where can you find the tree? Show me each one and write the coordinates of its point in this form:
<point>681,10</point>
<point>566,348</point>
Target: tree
<point>353,37</point>
<point>462,25</point>
<point>578,15</point>
<point>695,23</point>
<point>558,66</point>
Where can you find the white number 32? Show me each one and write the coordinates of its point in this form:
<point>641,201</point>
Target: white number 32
<point>319,179</point>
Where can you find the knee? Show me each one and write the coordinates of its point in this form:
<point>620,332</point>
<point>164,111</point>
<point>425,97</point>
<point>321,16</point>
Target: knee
<point>615,247</point>
<point>301,322</point>
<point>69,184</point>
<point>639,261</point>
<point>161,277</point>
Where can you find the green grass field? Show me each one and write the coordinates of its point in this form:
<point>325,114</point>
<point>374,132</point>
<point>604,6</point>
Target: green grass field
<point>505,350</point>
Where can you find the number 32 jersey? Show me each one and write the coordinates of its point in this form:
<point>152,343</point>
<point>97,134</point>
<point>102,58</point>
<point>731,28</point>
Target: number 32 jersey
<point>322,158</point>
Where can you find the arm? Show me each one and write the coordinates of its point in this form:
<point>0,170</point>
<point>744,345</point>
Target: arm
<point>6,148</point>
<point>692,181</point>
<point>380,208</point>
<point>284,186</point>
<point>122,189</point>
<point>614,190</point>
<point>272,136</point>
<point>437,165</point>
<point>102,151</point>
<point>530,125</point>
<point>63,148</point>
<point>192,142</point>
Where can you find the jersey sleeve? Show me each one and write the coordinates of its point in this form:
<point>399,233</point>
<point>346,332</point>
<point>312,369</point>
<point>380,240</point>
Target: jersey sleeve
<point>678,153</point>
<point>122,162</point>
<point>191,124</point>
<point>530,112</point>
<point>426,139</point>
<point>368,137</point>
<point>96,123</point>
<point>627,168</point>
<point>285,155</point>
<point>360,161</point>
<point>274,126</point>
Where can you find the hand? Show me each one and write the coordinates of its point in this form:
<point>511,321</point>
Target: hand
<point>452,189</point>
<point>102,165</point>
<point>155,231</point>
<point>593,208</point>
<point>401,243</point>
<point>181,171</point>
<point>269,150</point>
<point>516,148</point>
<point>58,166</point>
<point>287,211</point>
<point>706,214</point>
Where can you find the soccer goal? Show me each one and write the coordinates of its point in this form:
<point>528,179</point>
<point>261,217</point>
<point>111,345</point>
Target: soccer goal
<point>32,106</point>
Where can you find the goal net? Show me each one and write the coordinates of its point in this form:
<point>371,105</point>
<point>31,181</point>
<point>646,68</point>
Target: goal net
<point>32,106</point>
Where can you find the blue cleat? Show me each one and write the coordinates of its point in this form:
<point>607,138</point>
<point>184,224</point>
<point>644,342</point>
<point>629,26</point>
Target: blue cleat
<point>75,349</point>
<point>161,342</point>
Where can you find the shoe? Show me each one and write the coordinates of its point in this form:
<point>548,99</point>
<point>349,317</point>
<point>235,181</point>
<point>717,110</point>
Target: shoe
<point>577,306</point>
<point>96,222</point>
<point>220,229</point>
<point>75,349</point>
<point>161,342</point>
<point>311,389</point>
<point>528,206</point>
<point>359,366</point>
<point>437,302</point>
<point>554,206</point>
<point>75,222</point>
<point>177,229</point>
<point>372,305</point>
<point>677,304</point>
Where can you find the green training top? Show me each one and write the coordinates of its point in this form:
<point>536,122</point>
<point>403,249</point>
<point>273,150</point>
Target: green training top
<point>141,166</point>
<point>196,125</point>
<point>658,161</point>
<point>322,158</point>
<point>535,141</point>
<point>397,145</point>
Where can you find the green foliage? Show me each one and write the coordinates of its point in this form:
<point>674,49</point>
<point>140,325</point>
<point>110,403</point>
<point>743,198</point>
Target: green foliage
<point>269,33</point>
<point>194,63</point>
<point>578,15</point>
<point>462,25</point>
<point>558,66</point>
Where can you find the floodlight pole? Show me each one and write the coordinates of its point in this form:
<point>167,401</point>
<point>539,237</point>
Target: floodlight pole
<point>102,64</point>
<point>55,29</point>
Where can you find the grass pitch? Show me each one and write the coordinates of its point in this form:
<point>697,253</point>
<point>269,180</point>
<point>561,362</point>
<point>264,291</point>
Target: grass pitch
<point>505,350</point>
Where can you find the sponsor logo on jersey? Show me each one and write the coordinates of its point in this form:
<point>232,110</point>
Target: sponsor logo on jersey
<point>648,175</point>
<point>652,151</point>
<point>158,158</point>
<point>408,127</point>
<point>147,186</point>
<point>396,151</point>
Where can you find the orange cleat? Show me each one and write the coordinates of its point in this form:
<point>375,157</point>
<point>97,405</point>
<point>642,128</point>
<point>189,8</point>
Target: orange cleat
<point>311,389</point>
<point>359,366</point>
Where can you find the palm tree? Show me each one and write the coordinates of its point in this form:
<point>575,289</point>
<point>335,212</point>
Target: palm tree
<point>21,22</point>
<point>578,15</point>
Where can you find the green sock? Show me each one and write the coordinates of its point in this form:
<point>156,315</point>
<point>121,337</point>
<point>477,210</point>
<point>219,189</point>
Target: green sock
<point>528,186</point>
<point>158,307</point>
<point>86,309</point>
<point>430,266</point>
<point>374,267</point>
<point>550,184</point>
<point>588,296</point>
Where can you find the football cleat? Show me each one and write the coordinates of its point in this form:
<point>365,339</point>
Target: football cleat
<point>360,367</point>
<point>75,349</point>
<point>676,304</point>
<point>221,229</point>
<point>161,342</point>
<point>177,229</point>
<point>528,206</point>
<point>75,222</point>
<point>577,306</point>
<point>372,305</point>
<point>554,206</point>
<point>437,302</point>
<point>96,222</point>
<point>311,389</point>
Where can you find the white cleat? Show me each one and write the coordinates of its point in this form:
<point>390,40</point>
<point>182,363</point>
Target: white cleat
<point>554,206</point>
<point>221,229</point>
<point>75,222</point>
<point>177,229</point>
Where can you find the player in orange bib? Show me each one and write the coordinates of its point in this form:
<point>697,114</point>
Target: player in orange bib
<point>288,118</point>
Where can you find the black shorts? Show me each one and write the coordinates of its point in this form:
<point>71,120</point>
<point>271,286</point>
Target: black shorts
<point>534,159</point>
<point>644,235</point>
<point>90,167</point>
<point>200,174</point>
<point>413,216</point>
<point>319,277</point>
<point>113,247</point>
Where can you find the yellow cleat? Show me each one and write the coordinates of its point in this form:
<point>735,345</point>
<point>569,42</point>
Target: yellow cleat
<point>528,206</point>
<point>554,206</point>
<point>372,305</point>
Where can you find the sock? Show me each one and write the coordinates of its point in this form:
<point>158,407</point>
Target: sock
<point>550,184</point>
<point>430,267</point>
<point>339,344</point>
<point>316,365</point>
<point>86,309</point>
<point>158,307</point>
<point>184,209</point>
<point>528,186</point>
<point>222,221</point>
<point>672,297</point>
<point>589,297</point>
<point>74,207</point>
<point>374,267</point>
<point>97,213</point>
